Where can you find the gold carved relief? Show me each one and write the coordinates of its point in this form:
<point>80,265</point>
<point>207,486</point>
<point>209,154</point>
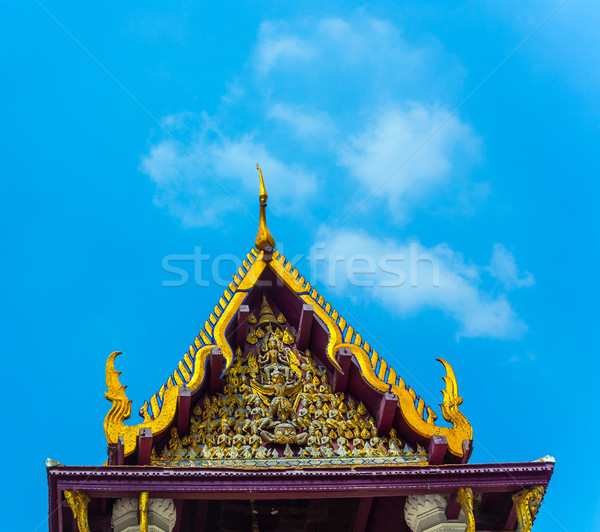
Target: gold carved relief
<point>78,501</point>
<point>278,403</point>
<point>527,503</point>
<point>465,498</point>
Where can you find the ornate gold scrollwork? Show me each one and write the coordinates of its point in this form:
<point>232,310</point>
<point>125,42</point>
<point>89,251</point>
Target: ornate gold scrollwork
<point>191,374</point>
<point>465,498</point>
<point>78,501</point>
<point>452,401</point>
<point>121,405</point>
<point>527,503</point>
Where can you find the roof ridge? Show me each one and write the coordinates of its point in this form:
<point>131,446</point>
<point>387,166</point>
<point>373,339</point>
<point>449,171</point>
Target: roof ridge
<point>383,370</point>
<point>185,369</point>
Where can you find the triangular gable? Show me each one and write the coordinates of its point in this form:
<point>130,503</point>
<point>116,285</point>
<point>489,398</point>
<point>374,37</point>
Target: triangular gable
<point>413,418</point>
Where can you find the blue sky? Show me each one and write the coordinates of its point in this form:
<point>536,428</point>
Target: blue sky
<point>144,147</point>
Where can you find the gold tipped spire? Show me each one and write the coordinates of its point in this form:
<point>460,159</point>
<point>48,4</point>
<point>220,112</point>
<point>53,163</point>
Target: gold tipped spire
<point>264,236</point>
<point>266,314</point>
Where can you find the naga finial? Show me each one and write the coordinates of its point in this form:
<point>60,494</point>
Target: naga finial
<point>264,236</point>
<point>121,405</point>
<point>452,401</point>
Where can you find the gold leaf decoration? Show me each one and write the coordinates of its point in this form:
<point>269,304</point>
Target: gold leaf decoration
<point>251,338</point>
<point>274,408</point>
<point>527,503</point>
<point>287,338</point>
<point>78,501</point>
<point>465,498</point>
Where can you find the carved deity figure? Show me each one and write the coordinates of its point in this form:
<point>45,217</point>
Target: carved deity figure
<point>278,403</point>
<point>274,358</point>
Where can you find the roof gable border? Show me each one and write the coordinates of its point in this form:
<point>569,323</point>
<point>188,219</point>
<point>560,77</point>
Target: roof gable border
<point>191,371</point>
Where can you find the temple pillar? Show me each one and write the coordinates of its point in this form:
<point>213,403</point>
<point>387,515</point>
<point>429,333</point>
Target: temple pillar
<point>161,515</point>
<point>427,513</point>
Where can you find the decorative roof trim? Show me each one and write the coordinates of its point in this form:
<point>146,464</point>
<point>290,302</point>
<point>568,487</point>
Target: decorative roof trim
<point>409,479</point>
<point>191,370</point>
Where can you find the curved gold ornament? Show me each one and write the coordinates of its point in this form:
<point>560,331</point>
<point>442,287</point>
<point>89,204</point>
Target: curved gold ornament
<point>78,501</point>
<point>143,507</point>
<point>465,498</point>
<point>452,401</point>
<point>190,372</point>
<point>264,236</point>
<point>527,503</point>
<point>121,405</point>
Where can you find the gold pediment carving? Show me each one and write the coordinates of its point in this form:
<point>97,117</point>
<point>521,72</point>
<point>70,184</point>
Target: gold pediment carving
<point>159,413</point>
<point>277,403</point>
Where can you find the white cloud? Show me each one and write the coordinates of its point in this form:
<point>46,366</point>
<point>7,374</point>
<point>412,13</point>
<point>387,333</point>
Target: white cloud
<point>407,278</point>
<point>351,93</point>
<point>387,148</point>
<point>371,44</point>
<point>306,124</point>
<point>190,183</point>
<point>278,48</point>
<point>504,268</point>
<point>367,97</point>
<point>335,45</point>
<point>353,99</point>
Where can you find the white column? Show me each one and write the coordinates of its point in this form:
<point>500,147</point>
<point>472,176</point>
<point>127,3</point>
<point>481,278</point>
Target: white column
<point>427,513</point>
<point>161,515</point>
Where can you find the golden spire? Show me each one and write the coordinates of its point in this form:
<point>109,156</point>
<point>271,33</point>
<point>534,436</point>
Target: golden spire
<point>264,236</point>
<point>266,314</point>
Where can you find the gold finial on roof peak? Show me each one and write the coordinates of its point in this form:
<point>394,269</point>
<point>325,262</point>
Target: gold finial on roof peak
<point>264,236</point>
<point>263,190</point>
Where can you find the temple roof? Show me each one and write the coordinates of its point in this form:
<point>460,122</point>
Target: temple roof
<point>317,331</point>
